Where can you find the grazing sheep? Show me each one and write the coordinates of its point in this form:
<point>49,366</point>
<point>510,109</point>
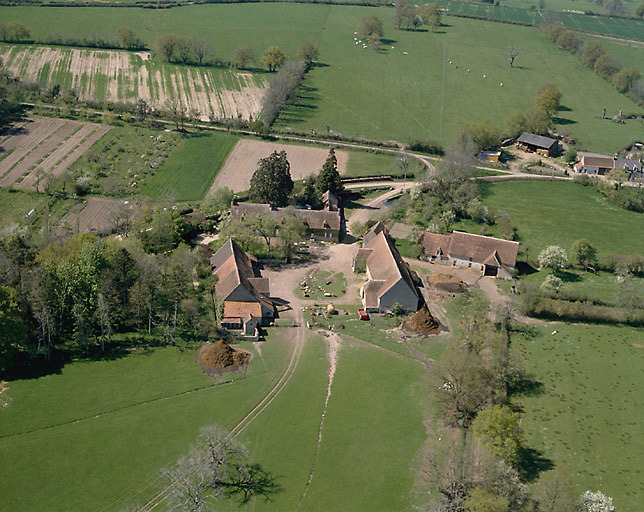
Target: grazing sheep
<point>468,70</point>
<point>501,84</point>
<point>404,53</point>
<point>484,76</point>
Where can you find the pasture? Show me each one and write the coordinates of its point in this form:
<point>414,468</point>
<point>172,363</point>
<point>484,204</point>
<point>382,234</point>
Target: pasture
<point>23,208</point>
<point>94,428</point>
<point>388,94</point>
<point>190,168</point>
<point>44,146</point>
<point>630,54</point>
<point>584,412</point>
<point>242,162</point>
<point>119,76</point>
<point>558,213</point>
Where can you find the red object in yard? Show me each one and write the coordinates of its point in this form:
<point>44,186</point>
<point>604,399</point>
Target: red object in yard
<point>363,314</point>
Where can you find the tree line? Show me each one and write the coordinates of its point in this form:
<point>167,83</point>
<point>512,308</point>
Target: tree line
<point>592,55</point>
<point>481,462</point>
<point>83,294</point>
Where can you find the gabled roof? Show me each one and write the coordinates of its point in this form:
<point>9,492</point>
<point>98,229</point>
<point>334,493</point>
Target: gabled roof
<point>435,244</point>
<point>377,228</point>
<point>234,267</point>
<point>330,201</point>
<point>314,219</point>
<point>482,248</point>
<point>608,162</point>
<point>536,140</point>
<point>242,309</point>
<point>385,264</point>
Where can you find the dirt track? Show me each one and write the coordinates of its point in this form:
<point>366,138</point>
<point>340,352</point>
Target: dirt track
<point>242,162</point>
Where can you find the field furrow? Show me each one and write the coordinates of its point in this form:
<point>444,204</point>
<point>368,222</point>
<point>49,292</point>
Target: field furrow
<point>75,152</point>
<point>118,76</point>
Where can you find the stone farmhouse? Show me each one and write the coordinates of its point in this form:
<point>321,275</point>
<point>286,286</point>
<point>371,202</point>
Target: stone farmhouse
<point>598,164</point>
<point>544,146</point>
<point>322,225</point>
<point>244,292</point>
<point>492,256</point>
<point>390,280</point>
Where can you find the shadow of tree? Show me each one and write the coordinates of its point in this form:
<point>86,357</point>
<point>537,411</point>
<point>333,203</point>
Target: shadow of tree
<point>257,482</point>
<point>532,463</point>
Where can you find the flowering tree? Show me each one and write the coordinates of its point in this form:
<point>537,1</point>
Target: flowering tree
<point>596,502</point>
<point>554,257</point>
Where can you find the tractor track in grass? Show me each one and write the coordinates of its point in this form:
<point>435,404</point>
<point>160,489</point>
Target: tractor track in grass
<point>300,336</point>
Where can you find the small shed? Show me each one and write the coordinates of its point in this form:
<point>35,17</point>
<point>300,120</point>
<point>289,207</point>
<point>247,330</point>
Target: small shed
<point>489,156</point>
<point>544,146</point>
<point>250,325</point>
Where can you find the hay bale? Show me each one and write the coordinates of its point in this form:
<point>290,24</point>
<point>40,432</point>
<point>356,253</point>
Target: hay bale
<point>219,357</point>
<point>422,322</point>
<point>330,309</point>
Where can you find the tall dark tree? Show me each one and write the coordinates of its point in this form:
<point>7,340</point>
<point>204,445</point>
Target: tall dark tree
<point>329,177</point>
<point>271,182</point>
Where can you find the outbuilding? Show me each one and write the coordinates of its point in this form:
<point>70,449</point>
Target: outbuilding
<point>544,146</point>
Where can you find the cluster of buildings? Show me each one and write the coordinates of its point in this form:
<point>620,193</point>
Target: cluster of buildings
<point>598,164</point>
<point>322,225</point>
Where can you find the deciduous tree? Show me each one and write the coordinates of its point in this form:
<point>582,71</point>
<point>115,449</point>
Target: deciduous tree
<point>430,14</point>
<point>548,99</point>
<point>244,55</point>
<point>513,54</point>
<point>165,45</point>
<point>497,429</point>
<point>553,257</point>
<point>371,26</point>
<point>308,52</point>
<point>273,58</point>
<point>126,37</point>
<point>583,253</point>
<point>202,49</point>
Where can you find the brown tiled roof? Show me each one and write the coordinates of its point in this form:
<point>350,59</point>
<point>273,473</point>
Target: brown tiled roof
<point>330,201</point>
<point>608,162</point>
<point>435,244</point>
<point>480,248</point>
<point>596,160</point>
<point>241,309</point>
<point>234,267</point>
<point>314,219</point>
<point>377,228</point>
<point>386,265</point>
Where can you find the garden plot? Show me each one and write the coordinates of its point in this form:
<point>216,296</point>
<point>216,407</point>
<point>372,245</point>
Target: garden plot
<point>119,76</point>
<point>44,146</point>
<point>97,215</point>
<point>242,162</point>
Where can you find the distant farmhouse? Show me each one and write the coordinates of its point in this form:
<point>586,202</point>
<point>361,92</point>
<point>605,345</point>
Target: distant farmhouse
<point>492,256</point>
<point>322,225</point>
<point>244,293</point>
<point>598,164</point>
<point>544,146</point>
<point>390,279</point>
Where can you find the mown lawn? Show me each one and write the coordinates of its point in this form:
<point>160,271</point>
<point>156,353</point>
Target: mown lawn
<point>188,172</point>
<point>323,282</point>
<point>585,412</point>
<point>15,205</point>
<point>390,94</point>
<point>98,432</point>
<point>558,213</point>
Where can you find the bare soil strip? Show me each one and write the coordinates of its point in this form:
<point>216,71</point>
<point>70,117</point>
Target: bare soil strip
<point>242,162</point>
<point>99,131</point>
<point>96,216</point>
<point>129,76</point>
<point>24,141</point>
<point>27,167</point>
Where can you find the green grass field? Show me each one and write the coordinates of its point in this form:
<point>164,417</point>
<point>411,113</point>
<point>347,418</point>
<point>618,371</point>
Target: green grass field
<point>317,286</point>
<point>558,213</point>
<point>99,432</point>
<point>362,163</point>
<point>587,417</point>
<point>629,54</point>
<point>188,172</point>
<point>15,205</point>
<point>386,95</point>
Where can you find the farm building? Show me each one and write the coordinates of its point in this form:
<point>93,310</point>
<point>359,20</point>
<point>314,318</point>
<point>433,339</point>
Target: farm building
<point>375,230</point>
<point>490,156</point>
<point>598,164</point>
<point>492,256</point>
<point>330,201</point>
<point>324,225</point>
<point>390,280</point>
<point>244,293</point>
<point>544,146</point>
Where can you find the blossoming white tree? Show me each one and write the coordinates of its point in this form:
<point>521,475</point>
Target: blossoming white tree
<point>596,502</point>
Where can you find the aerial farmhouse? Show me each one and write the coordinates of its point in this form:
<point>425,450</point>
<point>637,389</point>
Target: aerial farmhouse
<point>599,164</point>
<point>245,294</point>
<point>492,256</point>
<point>391,281</point>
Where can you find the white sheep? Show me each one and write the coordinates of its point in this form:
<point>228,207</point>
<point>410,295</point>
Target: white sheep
<point>484,76</point>
<point>501,84</point>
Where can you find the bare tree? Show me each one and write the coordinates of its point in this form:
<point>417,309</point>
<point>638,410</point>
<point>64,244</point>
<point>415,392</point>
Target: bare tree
<point>513,54</point>
<point>189,486</point>
<point>244,55</point>
<point>201,49</point>
<point>184,48</point>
